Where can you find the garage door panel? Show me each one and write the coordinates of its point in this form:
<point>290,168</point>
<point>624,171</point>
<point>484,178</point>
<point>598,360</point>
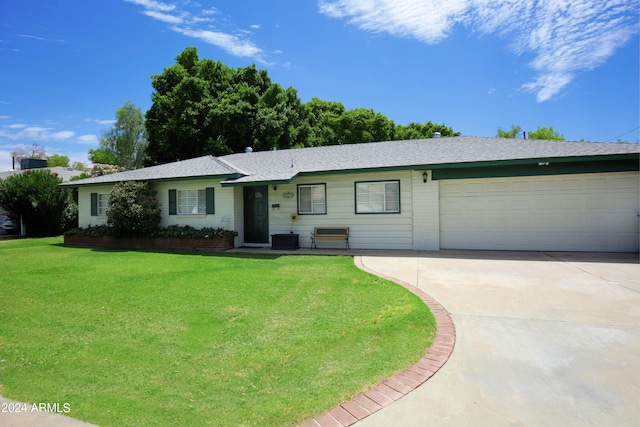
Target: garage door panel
<point>596,212</point>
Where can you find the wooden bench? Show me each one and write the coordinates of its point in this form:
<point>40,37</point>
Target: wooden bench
<point>330,233</point>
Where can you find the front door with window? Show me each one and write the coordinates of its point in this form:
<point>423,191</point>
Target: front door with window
<point>256,214</point>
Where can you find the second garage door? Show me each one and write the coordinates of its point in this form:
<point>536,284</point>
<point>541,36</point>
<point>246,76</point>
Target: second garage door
<point>591,212</point>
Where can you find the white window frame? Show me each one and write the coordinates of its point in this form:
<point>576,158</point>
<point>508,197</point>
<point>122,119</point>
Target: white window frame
<point>191,202</point>
<point>376,197</point>
<point>314,197</point>
<point>102,204</point>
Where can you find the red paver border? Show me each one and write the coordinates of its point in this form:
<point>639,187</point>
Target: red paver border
<point>387,392</point>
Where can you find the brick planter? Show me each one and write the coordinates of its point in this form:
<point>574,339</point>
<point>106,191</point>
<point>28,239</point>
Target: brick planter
<point>163,243</point>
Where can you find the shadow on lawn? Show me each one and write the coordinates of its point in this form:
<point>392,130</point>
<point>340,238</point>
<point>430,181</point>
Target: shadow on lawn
<point>268,253</point>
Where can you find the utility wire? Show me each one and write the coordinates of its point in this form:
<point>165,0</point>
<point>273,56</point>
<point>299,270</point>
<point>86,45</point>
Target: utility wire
<point>616,137</point>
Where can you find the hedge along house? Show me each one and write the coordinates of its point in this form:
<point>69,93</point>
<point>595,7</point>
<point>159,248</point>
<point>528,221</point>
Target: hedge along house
<point>441,193</point>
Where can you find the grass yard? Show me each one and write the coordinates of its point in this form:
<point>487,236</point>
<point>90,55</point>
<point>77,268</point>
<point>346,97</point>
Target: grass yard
<point>153,338</point>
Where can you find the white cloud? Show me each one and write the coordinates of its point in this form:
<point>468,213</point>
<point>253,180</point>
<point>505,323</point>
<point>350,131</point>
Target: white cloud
<point>28,36</point>
<point>255,26</point>
<point>88,139</point>
<point>101,122</point>
<point>232,44</point>
<point>36,133</point>
<point>565,37</point>
<point>153,5</point>
<point>163,17</point>
<point>189,23</point>
<point>17,126</point>
<point>5,161</point>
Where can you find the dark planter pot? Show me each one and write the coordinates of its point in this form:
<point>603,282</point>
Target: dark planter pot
<point>287,242</point>
<point>162,243</point>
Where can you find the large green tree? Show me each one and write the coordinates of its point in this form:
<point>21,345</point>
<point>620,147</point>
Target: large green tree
<point>125,143</point>
<point>35,196</point>
<point>422,130</point>
<point>204,107</point>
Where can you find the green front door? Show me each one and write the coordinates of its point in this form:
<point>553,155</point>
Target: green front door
<point>256,214</point>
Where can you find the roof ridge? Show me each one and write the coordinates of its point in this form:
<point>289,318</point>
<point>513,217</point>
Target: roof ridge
<point>229,165</point>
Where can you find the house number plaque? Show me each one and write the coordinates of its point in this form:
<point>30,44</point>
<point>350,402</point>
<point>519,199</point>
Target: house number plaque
<point>288,194</point>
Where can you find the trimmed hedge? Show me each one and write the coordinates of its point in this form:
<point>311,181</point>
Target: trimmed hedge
<point>174,231</point>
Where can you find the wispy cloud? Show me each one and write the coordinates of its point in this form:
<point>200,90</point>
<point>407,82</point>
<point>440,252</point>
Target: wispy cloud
<point>190,23</point>
<point>565,37</point>
<point>164,17</point>
<point>88,139</point>
<point>34,133</point>
<point>29,36</point>
<point>228,42</point>
<point>153,5</point>
<point>101,122</point>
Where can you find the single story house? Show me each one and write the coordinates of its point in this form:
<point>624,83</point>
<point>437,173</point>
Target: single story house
<point>430,194</point>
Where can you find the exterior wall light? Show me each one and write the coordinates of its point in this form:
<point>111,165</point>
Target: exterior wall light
<point>425,175</point>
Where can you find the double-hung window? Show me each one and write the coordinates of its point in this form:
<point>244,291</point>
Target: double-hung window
<point>99,204</point>
<point>103,204</point>
<point>378,197</point>
<point>312,199</point>
<point>191,202</point>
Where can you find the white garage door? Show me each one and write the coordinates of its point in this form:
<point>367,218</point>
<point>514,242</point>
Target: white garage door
<point>590,212</point>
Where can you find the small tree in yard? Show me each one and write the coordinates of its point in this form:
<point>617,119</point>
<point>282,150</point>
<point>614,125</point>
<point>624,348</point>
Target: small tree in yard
<point>36,197</point>
<point>133,209</point>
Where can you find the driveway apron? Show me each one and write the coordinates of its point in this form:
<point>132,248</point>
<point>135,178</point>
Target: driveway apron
<point>543,339</point>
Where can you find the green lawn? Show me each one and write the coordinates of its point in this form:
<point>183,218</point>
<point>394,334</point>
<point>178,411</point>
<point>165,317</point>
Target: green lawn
<point>153,338</point>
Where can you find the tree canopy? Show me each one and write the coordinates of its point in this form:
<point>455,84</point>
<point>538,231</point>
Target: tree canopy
<point>511,133</point>
<point>546,133</point>
<point>203,107</point>
<point>542,133</point>
<point>126,142</point>
<point>57,160</point>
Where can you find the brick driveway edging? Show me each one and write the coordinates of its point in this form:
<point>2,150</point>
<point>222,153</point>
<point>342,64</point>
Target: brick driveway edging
<point>387,392</point>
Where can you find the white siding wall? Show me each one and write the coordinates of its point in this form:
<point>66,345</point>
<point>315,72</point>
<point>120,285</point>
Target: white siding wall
<point>224,216</point>
<point>426,212</point>
<point>366,231</point>
<point>224,202</point>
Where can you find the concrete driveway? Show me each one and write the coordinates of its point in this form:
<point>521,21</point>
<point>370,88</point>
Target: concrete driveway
<point>543,339</point>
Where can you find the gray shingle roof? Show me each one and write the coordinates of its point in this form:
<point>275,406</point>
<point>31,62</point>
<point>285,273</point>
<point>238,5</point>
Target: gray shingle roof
<point>284,165</point>
<point>200,166</point>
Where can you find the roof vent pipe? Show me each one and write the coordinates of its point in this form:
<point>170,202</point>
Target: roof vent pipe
<point>435,135</point>
<point>248,150</point>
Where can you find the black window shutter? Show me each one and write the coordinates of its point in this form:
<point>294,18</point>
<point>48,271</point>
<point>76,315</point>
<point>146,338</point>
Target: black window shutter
<point>173,202</point>
<point>210,201</point>
<point>94,204</point>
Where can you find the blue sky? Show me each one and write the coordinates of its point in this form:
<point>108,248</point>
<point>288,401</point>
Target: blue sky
<point>66,66</point>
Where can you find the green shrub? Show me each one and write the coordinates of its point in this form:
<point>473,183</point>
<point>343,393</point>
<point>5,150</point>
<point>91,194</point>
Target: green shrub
<point>35,196</point>
<point>174,231</point>
<point>133,209</point>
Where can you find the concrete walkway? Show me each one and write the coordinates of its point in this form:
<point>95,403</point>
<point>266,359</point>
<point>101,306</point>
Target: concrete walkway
<point>542,339</point>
